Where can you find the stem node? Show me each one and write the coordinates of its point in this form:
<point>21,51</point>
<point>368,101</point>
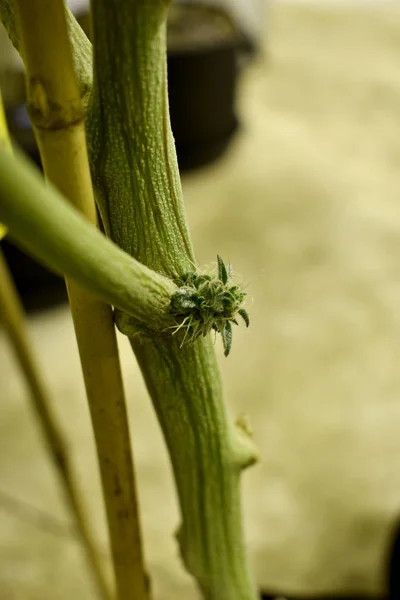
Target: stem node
<point>47,114</point>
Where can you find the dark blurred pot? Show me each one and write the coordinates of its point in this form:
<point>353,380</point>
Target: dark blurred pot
<point>37,287</point>
<point>203,48</point>
<point>202,70</point>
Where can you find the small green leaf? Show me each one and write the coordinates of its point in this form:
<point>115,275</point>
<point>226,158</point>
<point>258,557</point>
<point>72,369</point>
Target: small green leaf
<point>244,316</point>
<point>227,337</point>
<point>222,272</point>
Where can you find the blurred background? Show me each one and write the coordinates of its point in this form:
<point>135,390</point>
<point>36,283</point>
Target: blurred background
<point>286,116</point>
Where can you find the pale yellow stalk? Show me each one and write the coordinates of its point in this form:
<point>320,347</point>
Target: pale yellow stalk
<point>13,320</point>
<point>57,114</point>
<point>5,142</point>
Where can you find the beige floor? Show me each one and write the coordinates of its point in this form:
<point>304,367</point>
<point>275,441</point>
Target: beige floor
<point>306,206</point>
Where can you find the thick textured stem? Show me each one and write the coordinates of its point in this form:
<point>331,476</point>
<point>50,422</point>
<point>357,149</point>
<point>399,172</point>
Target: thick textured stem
<point>137,183</point>
<point>132,150</point>
<point>207,460</point>
<point>57,113</point>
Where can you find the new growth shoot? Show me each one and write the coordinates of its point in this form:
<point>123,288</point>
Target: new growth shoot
<point>208,302</point>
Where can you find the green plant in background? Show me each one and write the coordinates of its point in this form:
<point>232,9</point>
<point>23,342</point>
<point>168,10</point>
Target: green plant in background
<point>161,301</point>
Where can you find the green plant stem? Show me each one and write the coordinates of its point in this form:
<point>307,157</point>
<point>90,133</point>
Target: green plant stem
<point>56,110</point>
<point>207,458</point>
<point>12,317</point>
<point>44,224</point>
<point>138,189</point>
<point>132,151</point>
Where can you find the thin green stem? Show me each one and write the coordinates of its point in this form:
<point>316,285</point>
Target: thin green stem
<point>43,223</point>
